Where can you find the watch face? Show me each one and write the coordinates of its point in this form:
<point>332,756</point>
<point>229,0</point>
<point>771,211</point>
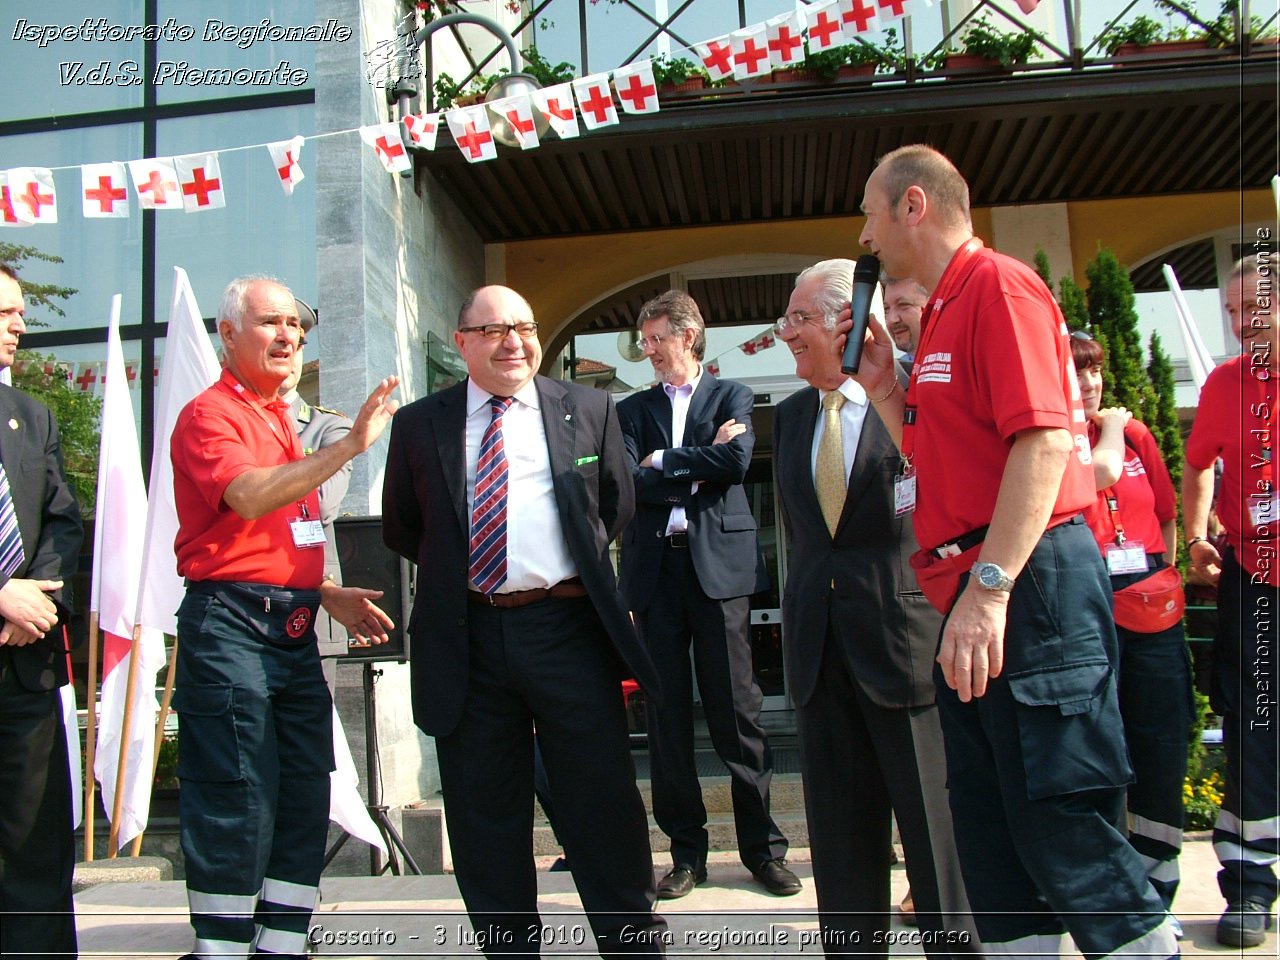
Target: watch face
<point>988,576</point>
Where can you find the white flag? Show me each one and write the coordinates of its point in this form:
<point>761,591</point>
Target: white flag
<point>8,216</point>
<point>595,102</point>
<point>104,190</point>
<point>750,52</point>
<point>785,38</point>
<point>156,184</point>
<point>285,157</point>
<point>717,57</point>
<point>470,129</point>
<point>897,9</point>
<point>556,104</point>
<point>385,140</point>
<point>422,128</point>
<point>516,113</point>
<point>826,25</point>
<point>200,180</point>
<point>346,808</point>
<point>118,543</point>
<point>636,88</point>
<point>32,195</point>
<point>859,16</point>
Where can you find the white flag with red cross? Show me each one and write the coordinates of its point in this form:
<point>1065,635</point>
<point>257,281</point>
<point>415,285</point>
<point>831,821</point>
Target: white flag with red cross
<point>156,183</point>
<point>785,37</point>
<point>200,180</point>
<point>285,159</point>
<point>517,113</point>
<point>422,128</point>
<point>8,216</point>
<point>636,88</point>
<point>32,195</point>
<point>762,342</point>
<point>104,190</point>
<point>556,104</point>
<point>385,140</point>
<point>826,25</point>
<point>859,16</point>
<point>750,52</point>
<point>712,368</point>
<point>470,129</point>
<point>717,57</point>
<point>897,9</point>
<point>595,102</point>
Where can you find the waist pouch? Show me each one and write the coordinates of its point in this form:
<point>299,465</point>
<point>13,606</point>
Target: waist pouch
<point>275,615</point>
<point>1151,605</point>
<point>939,577</point>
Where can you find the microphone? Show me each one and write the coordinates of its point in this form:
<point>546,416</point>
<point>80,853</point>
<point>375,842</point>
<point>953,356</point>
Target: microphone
<point>866,274</point>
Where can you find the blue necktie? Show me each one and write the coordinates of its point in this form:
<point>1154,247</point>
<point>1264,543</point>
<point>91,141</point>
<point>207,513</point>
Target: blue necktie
<point>11,555</point>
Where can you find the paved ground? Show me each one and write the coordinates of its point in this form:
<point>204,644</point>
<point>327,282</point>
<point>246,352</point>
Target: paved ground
<point>422,916</point>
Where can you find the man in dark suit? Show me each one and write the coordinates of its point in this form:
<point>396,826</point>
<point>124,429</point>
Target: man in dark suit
<point>37,855</point>
<point>859,646</point>
<point>506,490</point>
<point>690,562</point>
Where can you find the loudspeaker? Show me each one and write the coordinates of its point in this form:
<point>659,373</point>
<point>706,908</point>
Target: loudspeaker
<point>366,562</point>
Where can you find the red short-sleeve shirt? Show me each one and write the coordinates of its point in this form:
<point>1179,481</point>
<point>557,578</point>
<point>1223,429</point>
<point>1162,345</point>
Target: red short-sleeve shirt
<point>1144,493</point>
<point>1234,416</point>
<point>994,360</point>
<point>219,435</point>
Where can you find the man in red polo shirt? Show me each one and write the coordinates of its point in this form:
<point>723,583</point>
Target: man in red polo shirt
<point>1236,421</point>
<point>996,472</point>
<point>254,707</point>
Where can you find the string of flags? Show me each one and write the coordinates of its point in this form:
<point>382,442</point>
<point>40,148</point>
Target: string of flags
<point>194,182</point>
<point>89,376</point>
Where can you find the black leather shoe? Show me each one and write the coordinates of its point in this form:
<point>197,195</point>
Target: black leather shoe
<point>680,881</point>
<point>777,879</point>
<point>1244,924</point>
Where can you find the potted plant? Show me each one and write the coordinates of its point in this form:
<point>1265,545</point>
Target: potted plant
<point>983,48</point>
<point>866,59</point>
<point>677,75</point>
<point>541,69</point>
<point>450,93</point>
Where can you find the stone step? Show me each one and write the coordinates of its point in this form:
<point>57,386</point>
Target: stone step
<point>786,794</point>
<point>720,835</point>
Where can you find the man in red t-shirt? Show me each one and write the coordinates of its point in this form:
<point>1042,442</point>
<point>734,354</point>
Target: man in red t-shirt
<point>255,710</point>
<point>997,471</point>
<point>1235,422</point>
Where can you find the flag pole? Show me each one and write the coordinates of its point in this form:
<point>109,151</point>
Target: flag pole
<point>125,726</point>
<point>165,700</point>
<point>90,748</point>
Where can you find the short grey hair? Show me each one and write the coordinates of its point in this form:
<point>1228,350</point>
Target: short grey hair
<point>232,307</point>
<point>835,287</point>
<point>682,314</point>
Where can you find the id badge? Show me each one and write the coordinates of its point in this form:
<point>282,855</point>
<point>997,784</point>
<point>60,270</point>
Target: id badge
<point>904,494</point>
<point>1129,558</point>
<point>307,533</point>
<point>1263,511</point>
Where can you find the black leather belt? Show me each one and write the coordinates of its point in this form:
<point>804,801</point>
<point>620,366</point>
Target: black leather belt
<point>564,590</point>
<point>961,544</point>
<point>679,541</point>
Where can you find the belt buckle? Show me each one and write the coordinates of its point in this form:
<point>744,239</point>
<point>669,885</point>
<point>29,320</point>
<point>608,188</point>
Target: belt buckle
<point>948,550</point>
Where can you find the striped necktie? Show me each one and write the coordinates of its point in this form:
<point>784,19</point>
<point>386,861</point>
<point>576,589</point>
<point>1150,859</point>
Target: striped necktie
<point>11,555</point>
<point>488,549</point>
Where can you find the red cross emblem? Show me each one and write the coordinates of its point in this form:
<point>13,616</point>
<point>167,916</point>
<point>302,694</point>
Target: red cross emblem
<point>298,622</point>
<point>557,111</point>
<point>106,193</point>
<point>598,105</point>
<point>897,8</point>
<point>34,199</point>
<point>286,171</point>
<point>388,149</point>
<point>824,31</point>
<point>751,55</point>
<point>130,374</point>
<point>860,14</point>
<point>518,124</point>
<point>87,377</point>
<point>637,92</point>
<point>785,44</point>
<point>200,187</point>
<point>6,206</point>
<point>474,141</point>
<point>719,58</point>
<point>158,187</point>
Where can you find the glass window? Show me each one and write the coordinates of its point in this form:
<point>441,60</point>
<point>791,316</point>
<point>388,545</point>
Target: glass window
<point>93,68</point>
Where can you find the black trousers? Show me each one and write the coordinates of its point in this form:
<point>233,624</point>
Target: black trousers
<point>37,852</point>
<point>731,699</point>
<point>547,664</point>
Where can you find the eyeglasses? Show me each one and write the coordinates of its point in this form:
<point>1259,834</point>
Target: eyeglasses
<point>794,321</point>
<point>1082,335</point>
<point>644,343</point>
<point>500,331</point>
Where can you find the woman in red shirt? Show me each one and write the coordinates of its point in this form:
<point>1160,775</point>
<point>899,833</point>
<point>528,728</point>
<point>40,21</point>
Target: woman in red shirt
<point>1134,521</point>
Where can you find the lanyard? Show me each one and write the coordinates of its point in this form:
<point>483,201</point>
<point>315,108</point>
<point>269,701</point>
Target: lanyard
<point>1113,505</point>
<point>928,323</point>
<point>288,438</point>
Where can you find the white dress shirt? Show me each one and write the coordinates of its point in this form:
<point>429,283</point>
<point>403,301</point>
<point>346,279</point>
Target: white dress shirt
<point>852,415</point>
<point>680,397</point>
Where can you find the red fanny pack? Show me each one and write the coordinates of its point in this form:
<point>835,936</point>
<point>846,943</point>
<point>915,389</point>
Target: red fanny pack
<point>1151,605</point>
<point>939,577</point>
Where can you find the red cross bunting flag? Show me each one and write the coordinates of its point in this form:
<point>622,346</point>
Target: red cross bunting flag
<point>8,216</point>
<point>515,114</point>
<point>750,52</point>
<point>385,140</point>
<point>784,35</point>
<point>556,104</point>
<point>285,155</point>
<point>826,25</point>
<point>200,180</point>
<point>32,196</point>
<point>891,9</point>
<point>156,184</point>
<point>762,342</point>
<point>717,57</point>
<point>859,16</point>
<point>470,129</point>
<point>595,102</point>
<point>421,128</point>
<point>712,368</point>
<point>635,87</point>
<point>104,190</point>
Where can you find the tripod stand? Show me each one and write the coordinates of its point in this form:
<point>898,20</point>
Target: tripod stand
<point>377,809</point>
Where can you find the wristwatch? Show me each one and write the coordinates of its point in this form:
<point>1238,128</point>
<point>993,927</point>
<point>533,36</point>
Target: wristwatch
<point>991,576</point>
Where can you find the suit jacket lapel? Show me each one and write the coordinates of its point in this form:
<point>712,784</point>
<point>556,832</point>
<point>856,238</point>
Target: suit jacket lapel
<point>658,405</point>
<point>805,426</point>
<point>702,400</point>
<point>451,446</point>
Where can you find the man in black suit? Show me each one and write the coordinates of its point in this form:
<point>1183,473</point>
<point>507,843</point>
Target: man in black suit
<point>506,490</point>
<point>690,562</point>
<point>37,854</point>
<point>859,646</point>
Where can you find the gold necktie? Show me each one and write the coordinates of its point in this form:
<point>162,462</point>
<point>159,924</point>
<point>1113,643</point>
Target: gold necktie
<point>829,477</point>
